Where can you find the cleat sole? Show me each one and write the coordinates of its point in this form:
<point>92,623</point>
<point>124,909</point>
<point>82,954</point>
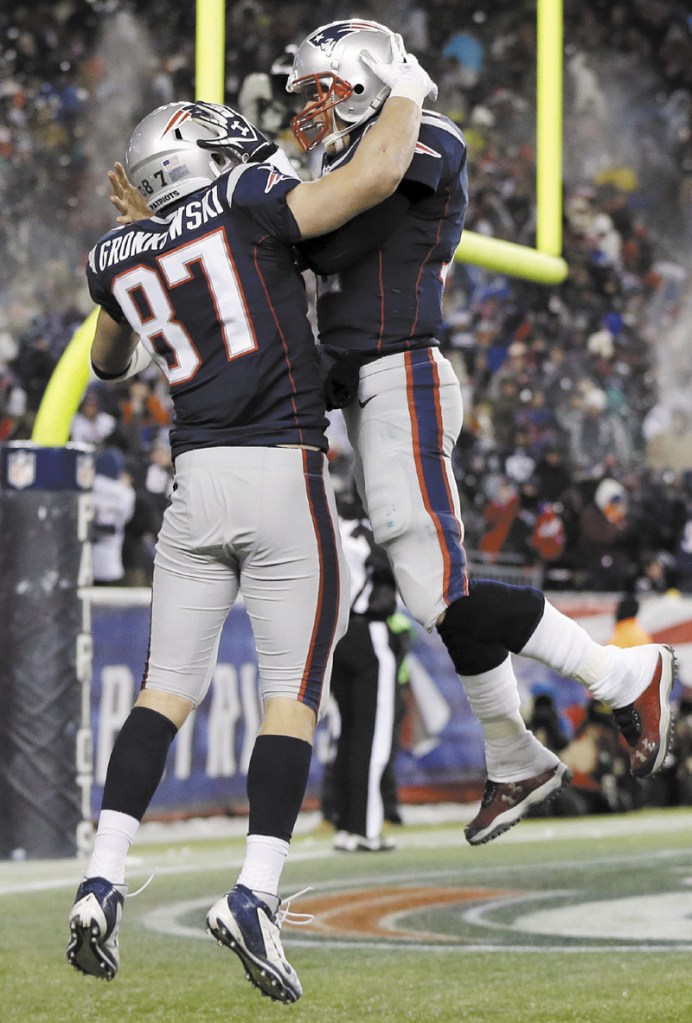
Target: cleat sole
<point>84,955</point>
<point>256,973</point>
<point>536,798</point>
<point>669,668</point>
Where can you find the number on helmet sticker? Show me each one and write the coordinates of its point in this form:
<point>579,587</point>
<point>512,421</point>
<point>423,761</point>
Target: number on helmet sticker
<point>161,330</point>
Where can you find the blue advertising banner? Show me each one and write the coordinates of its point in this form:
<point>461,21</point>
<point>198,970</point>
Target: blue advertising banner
<point>442,746</point>
<point>207,766</point>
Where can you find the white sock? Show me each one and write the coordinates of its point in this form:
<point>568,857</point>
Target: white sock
<point>517,757</point>
<point>264,860</point>
<point>512,752</point>
<point>615,677</point>
<point>114,836</point>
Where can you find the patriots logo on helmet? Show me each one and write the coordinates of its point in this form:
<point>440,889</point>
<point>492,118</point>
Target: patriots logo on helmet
<point>176,120</point>
<point>326,38</point>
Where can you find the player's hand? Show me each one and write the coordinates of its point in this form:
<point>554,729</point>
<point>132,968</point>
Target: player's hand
<point>403,68</point>
<point>236,134</point>
<point>127,200</point>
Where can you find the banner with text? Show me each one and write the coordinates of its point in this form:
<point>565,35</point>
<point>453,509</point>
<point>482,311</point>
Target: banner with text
<point>442,743</point>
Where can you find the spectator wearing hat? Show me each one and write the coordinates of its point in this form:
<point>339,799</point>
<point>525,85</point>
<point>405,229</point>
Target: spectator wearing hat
<point>597,438</point>
<point>607,540</point>
<point>628,630</point>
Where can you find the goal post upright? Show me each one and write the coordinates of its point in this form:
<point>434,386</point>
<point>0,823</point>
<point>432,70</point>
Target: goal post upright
<point>549,126</point>
<point>210,50</point>
<point>542,264</point>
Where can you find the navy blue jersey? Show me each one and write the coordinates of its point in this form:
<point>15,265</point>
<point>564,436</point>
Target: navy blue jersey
<point>213,290</point>
<point>390,299</point>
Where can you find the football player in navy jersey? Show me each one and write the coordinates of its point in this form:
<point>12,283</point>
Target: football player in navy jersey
<point>209,290</point>
<point>380,280</point>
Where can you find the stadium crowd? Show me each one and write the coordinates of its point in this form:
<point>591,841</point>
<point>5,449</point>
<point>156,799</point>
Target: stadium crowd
<point>576,453</point>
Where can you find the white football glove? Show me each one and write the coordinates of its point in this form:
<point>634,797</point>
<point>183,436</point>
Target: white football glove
<point>403,74</point>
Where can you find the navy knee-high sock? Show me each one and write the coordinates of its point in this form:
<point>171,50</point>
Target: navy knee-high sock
<point>276,781</point>
<point>137,762</point>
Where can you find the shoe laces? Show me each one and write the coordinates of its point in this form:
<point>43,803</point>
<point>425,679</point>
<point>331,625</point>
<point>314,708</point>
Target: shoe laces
<point>489,793</point>
<point>132,895</point>
<point>285,915</point>
<point>628,722</point>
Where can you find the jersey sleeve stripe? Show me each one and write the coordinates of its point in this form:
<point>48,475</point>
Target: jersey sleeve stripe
<point>442,123</point>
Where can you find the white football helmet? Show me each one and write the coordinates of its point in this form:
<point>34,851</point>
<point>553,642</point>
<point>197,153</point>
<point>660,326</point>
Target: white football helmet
<point>163,159</point>
<point>327,66</point>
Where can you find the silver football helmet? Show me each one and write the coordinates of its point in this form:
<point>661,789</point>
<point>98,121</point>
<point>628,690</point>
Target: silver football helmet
<point>327,67</point>
<point>163,159</point>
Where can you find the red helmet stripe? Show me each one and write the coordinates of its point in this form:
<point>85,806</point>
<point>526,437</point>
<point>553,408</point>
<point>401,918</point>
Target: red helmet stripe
<point>178,117</point>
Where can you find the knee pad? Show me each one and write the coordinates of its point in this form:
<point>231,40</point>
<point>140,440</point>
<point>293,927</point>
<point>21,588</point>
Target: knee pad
<point>472,656</point>
<point>494,614</point>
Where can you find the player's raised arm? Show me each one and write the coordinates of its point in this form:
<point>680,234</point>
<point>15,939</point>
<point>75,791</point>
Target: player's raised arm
<point>373,174</point>
<point>381,159</point>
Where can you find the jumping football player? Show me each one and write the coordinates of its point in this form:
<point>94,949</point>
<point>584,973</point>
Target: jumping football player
<point>379,309</point>
<point>210,286</point>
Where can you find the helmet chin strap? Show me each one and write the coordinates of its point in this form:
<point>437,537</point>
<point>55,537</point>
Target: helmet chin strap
<point>336,144</point>
<point>337,141</point>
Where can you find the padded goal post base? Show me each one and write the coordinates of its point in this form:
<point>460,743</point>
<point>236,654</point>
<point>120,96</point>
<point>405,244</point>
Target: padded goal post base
<point>45,637</point>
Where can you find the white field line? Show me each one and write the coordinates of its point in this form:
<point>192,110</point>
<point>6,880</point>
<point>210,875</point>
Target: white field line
<point>49,875</point>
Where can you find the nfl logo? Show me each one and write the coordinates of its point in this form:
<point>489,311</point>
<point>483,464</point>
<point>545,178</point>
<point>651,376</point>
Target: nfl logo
<point>21,469</point>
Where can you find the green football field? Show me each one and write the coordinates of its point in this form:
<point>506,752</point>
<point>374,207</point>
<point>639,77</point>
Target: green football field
<point>559,921</point>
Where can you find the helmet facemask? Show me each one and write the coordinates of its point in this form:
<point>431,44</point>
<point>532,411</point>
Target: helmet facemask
<point>327,67</point>
<point>316,120</point>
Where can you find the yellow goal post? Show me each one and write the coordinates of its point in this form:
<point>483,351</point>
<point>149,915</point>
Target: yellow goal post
<point>544,264</point>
